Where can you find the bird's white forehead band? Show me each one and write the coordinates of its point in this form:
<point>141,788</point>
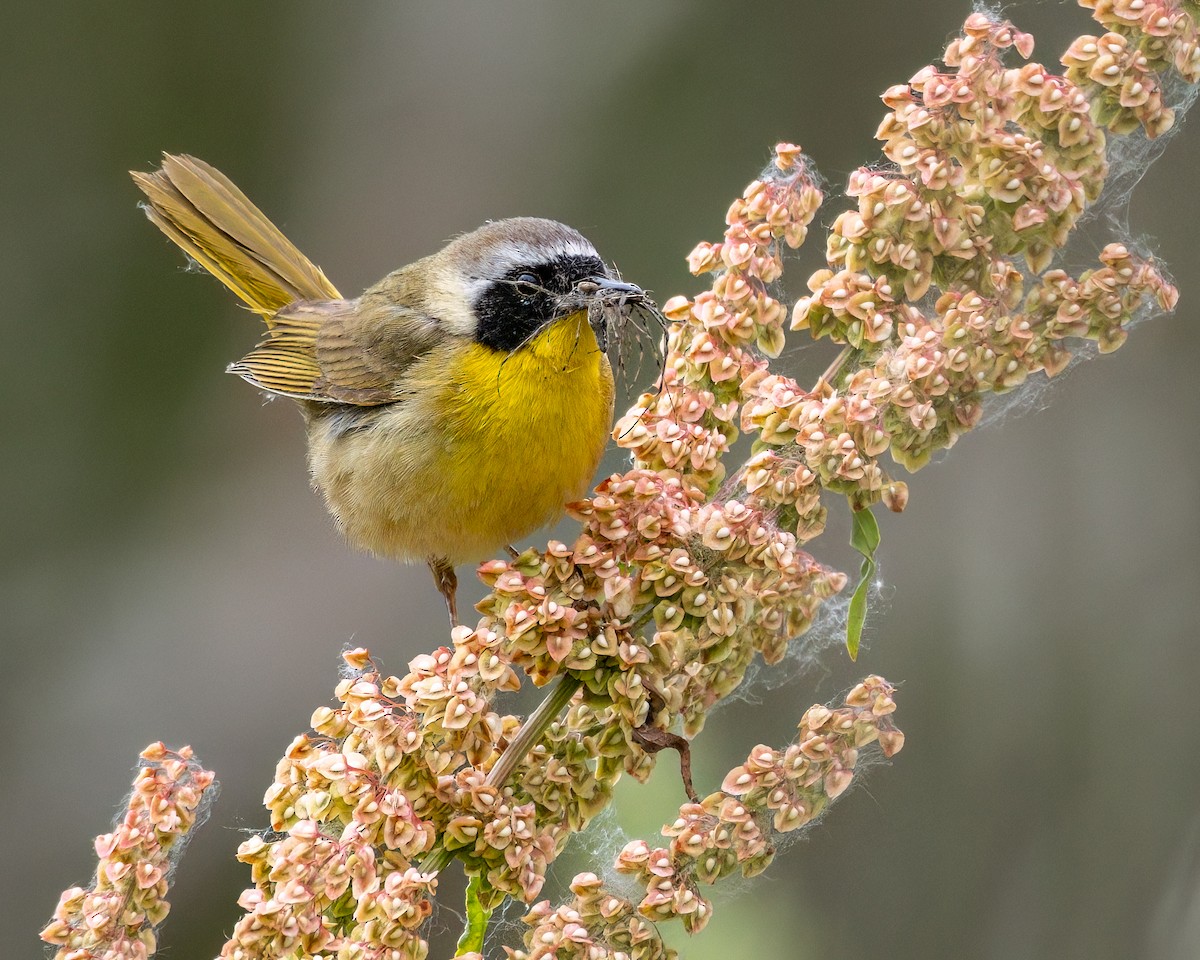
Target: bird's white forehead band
<point>512,254</point>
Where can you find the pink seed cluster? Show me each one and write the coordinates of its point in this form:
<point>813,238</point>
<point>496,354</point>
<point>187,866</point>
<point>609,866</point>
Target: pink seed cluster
<point>116,918</point>
<point>1125,70</point>
<point>731,831</point>
<point>993,166</point>
<point>595,925</point>
<point>778,791</point>
<point>718,581</point>
<point>717,340</point>
<point>398,768</point>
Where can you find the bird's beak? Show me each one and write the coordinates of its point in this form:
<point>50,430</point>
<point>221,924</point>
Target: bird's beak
<point>600,296</point>
<point>601,286</point>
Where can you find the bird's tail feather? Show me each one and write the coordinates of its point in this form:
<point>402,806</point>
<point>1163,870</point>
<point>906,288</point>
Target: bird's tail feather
<point>214,223</point>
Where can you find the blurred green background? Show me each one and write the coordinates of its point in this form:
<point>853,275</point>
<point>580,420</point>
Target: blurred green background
<point>168,574</point>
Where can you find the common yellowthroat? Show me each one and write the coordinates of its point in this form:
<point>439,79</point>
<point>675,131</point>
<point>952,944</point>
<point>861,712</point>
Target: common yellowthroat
<point>452,408</point>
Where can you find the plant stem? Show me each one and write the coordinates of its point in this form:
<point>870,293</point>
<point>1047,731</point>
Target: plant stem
<point>532,729</point>
<point>437,860</point>
<point>834,369</point>
<point>530,733</point>
<point>646,616</point>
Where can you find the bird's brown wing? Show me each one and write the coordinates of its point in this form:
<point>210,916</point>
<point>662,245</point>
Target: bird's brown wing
<point>338,351</point>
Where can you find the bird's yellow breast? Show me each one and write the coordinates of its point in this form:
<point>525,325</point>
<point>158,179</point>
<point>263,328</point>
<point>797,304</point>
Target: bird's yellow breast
<point>487,450</point>
<point>525,430</point>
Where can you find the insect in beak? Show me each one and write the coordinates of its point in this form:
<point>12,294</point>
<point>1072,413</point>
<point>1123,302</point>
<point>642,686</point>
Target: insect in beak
<point>605,299</point>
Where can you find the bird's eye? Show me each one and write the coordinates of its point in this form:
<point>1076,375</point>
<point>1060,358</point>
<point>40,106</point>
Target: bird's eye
<point>528,284</point>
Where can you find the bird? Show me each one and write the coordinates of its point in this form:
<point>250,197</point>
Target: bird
<point>453,407</point>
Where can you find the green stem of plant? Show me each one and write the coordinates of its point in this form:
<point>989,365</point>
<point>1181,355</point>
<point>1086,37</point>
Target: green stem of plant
<point>478,916</point>
<point>532,729</point>
<point>646,616</point>
<point>437,860</point>
<point>834,370</point>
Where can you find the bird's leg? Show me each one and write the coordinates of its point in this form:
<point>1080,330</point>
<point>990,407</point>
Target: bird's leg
<point>512,551</point>
<point>447,584</point>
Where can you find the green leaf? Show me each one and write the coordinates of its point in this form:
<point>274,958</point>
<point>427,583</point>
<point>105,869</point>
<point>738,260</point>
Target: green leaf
<point>477,920</point>
<point>865,539</point>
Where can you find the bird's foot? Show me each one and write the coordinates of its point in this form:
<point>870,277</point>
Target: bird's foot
<point>447,583</point>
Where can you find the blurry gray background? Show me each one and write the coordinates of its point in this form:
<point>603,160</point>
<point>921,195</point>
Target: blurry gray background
<point>167,573</point>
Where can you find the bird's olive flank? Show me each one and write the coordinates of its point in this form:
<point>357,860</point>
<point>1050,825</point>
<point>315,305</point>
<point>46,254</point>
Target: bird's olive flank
<point>510,310</point>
